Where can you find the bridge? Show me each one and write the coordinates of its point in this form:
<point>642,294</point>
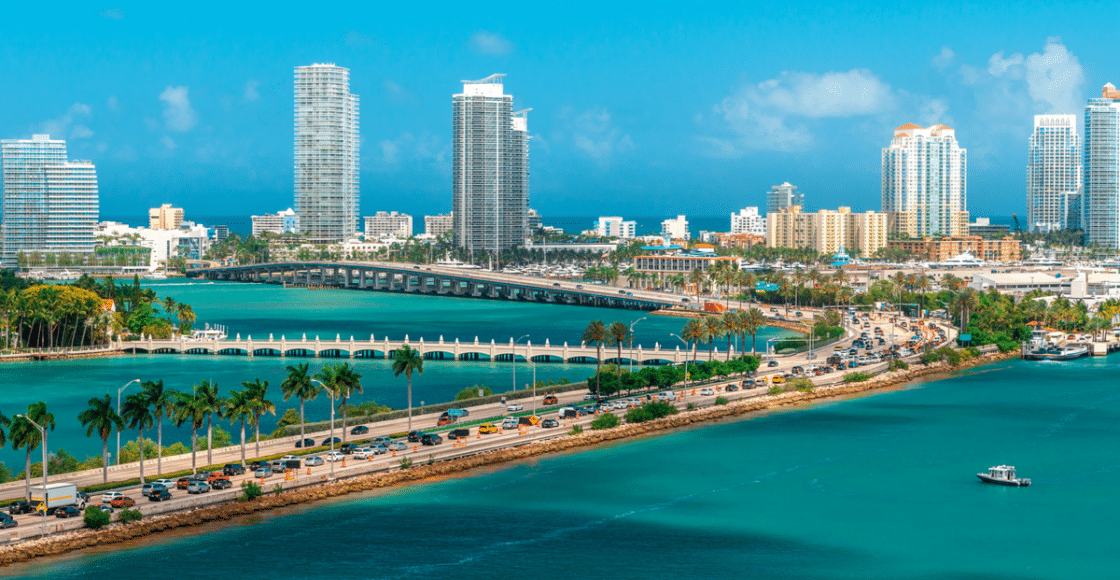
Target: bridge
<point>443,281</point>
<point>431,350</point>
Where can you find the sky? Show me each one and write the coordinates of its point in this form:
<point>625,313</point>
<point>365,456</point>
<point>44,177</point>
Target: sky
<point>637,110</point>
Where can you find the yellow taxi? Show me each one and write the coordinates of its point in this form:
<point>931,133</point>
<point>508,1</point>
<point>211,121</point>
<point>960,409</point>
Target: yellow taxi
<point>779,379</point>
<point>487,428</point>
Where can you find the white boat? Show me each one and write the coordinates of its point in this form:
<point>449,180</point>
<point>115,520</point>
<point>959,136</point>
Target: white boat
<point>1003,475</point>
<point>217,332</point>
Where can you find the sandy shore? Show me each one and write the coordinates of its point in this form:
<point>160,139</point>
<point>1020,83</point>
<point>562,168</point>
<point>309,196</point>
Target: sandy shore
<point>120,533</point>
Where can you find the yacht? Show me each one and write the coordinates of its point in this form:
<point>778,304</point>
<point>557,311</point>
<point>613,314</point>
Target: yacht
<point>1003,475</point>
<point>1040,348</point>
<point>217,332</point>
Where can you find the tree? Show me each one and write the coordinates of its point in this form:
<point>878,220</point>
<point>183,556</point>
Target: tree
<point>349,382</point>
<point>101,417</point>
<point>238,407</point>
<point>753,320</point>
<point>192,409</point>
<point>695,332</point>
<point>163,405</point>
<point>208,392</point>
<point>298,384</point>
<point>406,360</point>
<point>596,334</point>
<point>617,333</point>
<point>137,412</point>
<point>713,328</point>
<point>26,435</point>
<point>259,405</point>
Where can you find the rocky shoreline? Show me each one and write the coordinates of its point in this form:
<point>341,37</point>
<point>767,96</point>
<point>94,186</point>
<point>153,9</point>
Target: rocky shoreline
<point>120,533</point>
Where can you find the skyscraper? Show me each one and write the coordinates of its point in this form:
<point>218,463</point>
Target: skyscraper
<point>1100,198</point>
<point>783,196</point>
<point>925,187</point>
<point>1054,174</point>
<point>326,152</point>
<point>490,181</point>
<point>50,204</point>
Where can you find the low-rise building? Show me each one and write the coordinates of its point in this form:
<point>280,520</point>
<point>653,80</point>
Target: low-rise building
<point>284,222</point>
<point>743,241</point>
<point>165,217</point>
<point>827,231</point>
<point>676,229</point>
<point>1004,250</point>
<point>437,225</point>
<point>748,221</point>
<point>388,224</point>
<point>984,228</point>
<point>616,227</point>
<point>681,263</point>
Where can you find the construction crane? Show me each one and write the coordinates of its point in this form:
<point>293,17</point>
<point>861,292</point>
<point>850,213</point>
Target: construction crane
<point>1018,228</point>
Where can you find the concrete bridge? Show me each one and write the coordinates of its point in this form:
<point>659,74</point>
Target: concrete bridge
<point>431,350</point>
<point>444,281</point>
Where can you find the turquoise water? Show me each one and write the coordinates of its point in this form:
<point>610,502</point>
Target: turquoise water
<point>875,487</point>
<point>258,310</point>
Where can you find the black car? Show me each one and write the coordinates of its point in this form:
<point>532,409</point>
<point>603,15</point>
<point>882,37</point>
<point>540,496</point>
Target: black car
<point>359,430</point>
<point>550,423</point>
<point>327,441</point>
<point>7,521</point>
<point>161,496</point>
<point>255,465</point>
<point>20,507</point>
<point>459,434</point>
<point>67,512</point>
<point>233,469</point>
<point>306,443</point>
<point>731,387</point>
<point>221,483</point>
<point>772,363</point>
<point>414,436</point>
<point>431,439</point>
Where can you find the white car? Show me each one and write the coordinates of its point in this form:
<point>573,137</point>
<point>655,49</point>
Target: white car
<point>509,423</point>
<point>168,483</point>
<point>110,496</point>
<point>287,457</point>
<point>707,392</point>
<point>515,407</point>
<point>363,453</point>
<point>636,401</point>
<point>589,397</point>
<point>335,456</point>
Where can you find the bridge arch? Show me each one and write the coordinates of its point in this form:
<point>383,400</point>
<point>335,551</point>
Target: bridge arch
<point>198,350</point>
<point>439,355</point>
<point>305,352</point>
<point>135,349</point>
<point>581,360</point>
<point>334,353</point>
<point>510,357</point>
<point>267,352</point>
<point>656,362</point>
<point>475,356</point>
<point>235,351</point>
<point>168,350</point>
<point>369,353</point>
<point>548,358</point>
<point>614,360</point>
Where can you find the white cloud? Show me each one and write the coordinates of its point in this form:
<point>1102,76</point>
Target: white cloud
<point>168,142</point>
<point>943,59</point>
<point>177,112</point>
<point>490,43</point>
<point>934,111</point>
<point>68,125</point>
<point>1052,79</point>
<point>249,92</point>
<point>593,132</point>
<point>112,103</point>
<point>999,66</point>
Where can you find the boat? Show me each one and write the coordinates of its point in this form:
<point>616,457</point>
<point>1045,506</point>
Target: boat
<point>1003,475</point>
<point>1041,348</point>
<point>217,332</point>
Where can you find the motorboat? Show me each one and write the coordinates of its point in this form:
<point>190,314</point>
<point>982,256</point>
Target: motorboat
<point>1041,348</point>
<point>217,332</point>
<point>1003,475</point>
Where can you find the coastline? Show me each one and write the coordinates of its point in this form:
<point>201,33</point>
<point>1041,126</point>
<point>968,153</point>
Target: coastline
<point>120,533</point>
<point>23,357</point>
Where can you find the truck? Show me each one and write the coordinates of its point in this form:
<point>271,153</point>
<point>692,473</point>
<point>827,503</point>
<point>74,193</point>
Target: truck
<point>56,495</point>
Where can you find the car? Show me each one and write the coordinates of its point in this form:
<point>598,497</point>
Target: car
<point>263,473</point>
<point>278,466</point>
<point>778,379</point>
<point>457,434</point>
<point>431,439</point>
<point>198,487</point>
<point>550,423</point>
<point>731,387</point>
<point>619,405</point>
<point>379,449</point>
<point>327,441</point>
<point>359,430</point>
<point>567,413</point>
<point>509,423</point>
<point>444,419</point>
<point>396,446</point>
<point>363,453</point>
<point>487,428</point>
<point>313,461</point>
<point>551,400</point>
<point>414,436</point>
<point>202,475</point>
<point>707,392</point>
<point>515,407</point>
<point>168,483</point>
<point>123,502</point>
<point>160,496</point>
<point>110,496</point>
<point>347,448</point>
<point>7,521</point>
<point>67,512</point>
<point>305,443</point>
<point>556,285</point>
<point>220,482</point>
<point>772,363</point>
<point>335,456</point>
<point>590,396</point>
<point>20,507</point>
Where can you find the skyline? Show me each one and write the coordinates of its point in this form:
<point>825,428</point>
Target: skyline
<point>196,116</point>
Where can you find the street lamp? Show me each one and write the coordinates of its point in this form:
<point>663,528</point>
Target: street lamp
<point>632,342</point>
<point>119,391</point>
<point>43,436</point>
<point>686,370</point>
<point>331,391</point>
<point>513,359</point>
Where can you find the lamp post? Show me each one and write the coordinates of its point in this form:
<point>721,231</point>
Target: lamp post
<point>632,342</point>
<point>119,391</point>
<point>46,497</point>
<point>686,370</point>
<point>513,359</point>
<point>331,391</point>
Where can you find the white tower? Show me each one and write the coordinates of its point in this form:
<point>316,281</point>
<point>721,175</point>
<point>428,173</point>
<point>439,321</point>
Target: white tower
<point>925,188</point>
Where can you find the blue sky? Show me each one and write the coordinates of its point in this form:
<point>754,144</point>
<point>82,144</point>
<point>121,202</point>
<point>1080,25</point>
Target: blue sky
<point>638,109</point>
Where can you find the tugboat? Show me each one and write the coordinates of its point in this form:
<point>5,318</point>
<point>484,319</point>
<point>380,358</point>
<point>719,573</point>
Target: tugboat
<point>1003,475</point>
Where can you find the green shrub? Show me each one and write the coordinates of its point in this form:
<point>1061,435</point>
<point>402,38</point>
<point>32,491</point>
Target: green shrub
<point>638,415</point>
<point>472,392</point>
<point>406,463</point>
<point>804,385</point>
<point>898,365</point>
<point>972,351</point>
<point>277,489</point>
<point>131,515</point>
<point>605,421</point>
<point>576,430</point>
<point>691,406</point>
<point>95,518</point>
<point>929,357</point>
<point>775,390</point>
<point>949,355</point>
<point>250,491</point>
<point>721,400</point>
<point>857,377</point>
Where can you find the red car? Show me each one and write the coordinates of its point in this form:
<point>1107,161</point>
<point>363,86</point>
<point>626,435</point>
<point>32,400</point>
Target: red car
<point>122,502</point>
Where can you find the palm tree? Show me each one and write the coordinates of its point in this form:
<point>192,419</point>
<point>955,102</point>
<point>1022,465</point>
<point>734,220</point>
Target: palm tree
<point>596,334</point>
<point>238,407</point>
<point>328,379</point>
<point>101,417</point>
<point>208,392</point>
<point>349,382</point>
<point>406,360</point>
<point>298,384</point>
<point>694,331</point>
<point>170,307</point>
<point>714,329</point>
<point>753,320</point>
<point>191,408</point>
<point>186,316</point>
<point>163,405</point>
<point>259,405</point>
<point>4,423</point>
<point>617,333</point>
<point>137,412</point>
<point>731,321</point>
<point>26,435</point>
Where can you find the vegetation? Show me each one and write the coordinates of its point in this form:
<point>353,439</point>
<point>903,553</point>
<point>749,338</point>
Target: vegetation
<point>899,365</point>
<point>407,361</point>
<point>605,421</point>
<point>775,390</point>
<point>857,377</point>
<point>95,518</point>
<point>804,385</point>
<point>473,392</point>
<point>131,515</point>
<point>250,491</point>
<point>721,400</point>
<point>575,430</point>
<point>649,412</point>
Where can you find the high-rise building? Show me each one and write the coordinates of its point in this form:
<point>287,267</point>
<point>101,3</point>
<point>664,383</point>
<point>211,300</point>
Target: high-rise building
<point>388,224</point>
<point>827,231</point>
<point>1100,185</point>
<point>326,153</point>
<point>50,204</point>
<point>1054,174</point>
<point>616,227</point>
<point>437,225</point>
<point>925,188</point>
<point>165,217</point>
<point>747,221</point>
<point>283,222</point>
<point>675,228</point>
<point>490,181</point>
<point>783,196</point>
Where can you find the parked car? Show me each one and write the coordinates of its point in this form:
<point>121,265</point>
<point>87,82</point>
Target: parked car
<point>457,434</point>
<point>198,487</point>
<point>68,511</point>
<point>7,521</point>
<point>551,400</point>
<point>707,392</point>
<point>550,423</point>
<point>313,461</point>
<point>487,428</point>
<point>305,443</point>
<point>160,496</point>
<point>431,439</point>
<point>123,502</point>
<point>515,407</point>
<point>335,456</point>
<point>233,469</point>
<point>20,507</point>
<point>359,430</point>
<point>263,473</point>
